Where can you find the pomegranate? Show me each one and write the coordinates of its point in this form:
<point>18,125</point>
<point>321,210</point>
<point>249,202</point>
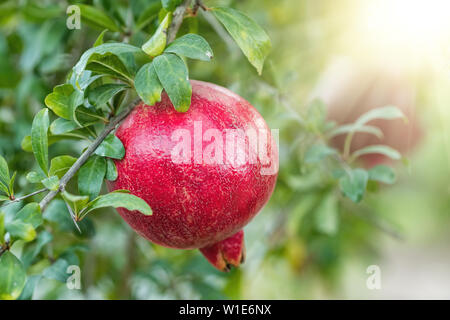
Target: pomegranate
<point>184,165</point>
<point>350,90</point>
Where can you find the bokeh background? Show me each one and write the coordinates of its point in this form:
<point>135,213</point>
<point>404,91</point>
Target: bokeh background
<point>352,54</point>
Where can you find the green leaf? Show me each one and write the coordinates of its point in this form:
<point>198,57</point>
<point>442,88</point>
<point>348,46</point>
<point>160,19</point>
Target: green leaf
<point>99,39</point>
<point>111,147</point>
<point>31,214</point>
<point>35,177</point>
<point>4,171</point>
<point>249,36</point>
<point>173,75</point>
<point>191,46</point>
<point>2,226</point>
<point>170,5</point>
<point>318,152</point>
<point>30,253</point>
<point>51,183</point>
<point>118,49</point>
<point>60,165</point>
<point>4,198</point>
<point>12,276</point>
<point>110,64</point>
<point>378,149</point>
<point>97,18</point>
<point>11,183</point>
<point>326,215</point>
<point>102,94</point>
<point>147,84</point>
<point>19,229</point>
<point>386,113</point>
<point>61,126</point>
<point>76,202</point>
<point>90,176</point>
<point>149,14</point>
<point>382,174</point>
<point>39,139</point>
<point>111,170</point>
<point>57,271</point>
<point>118,199</point>
<point>30,285</point>
<point>63,100</point>
<point>354,128</point>
<point>156,44</point>
<point>4,188</point>
<point>353,184</point>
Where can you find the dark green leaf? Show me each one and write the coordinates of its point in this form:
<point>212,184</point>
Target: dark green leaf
<point>191,46</point>
<point>119,199</point>
<point>111,65</point>
<point>12,276</point>
<point>97,18</point>
<point>170,5</point>
<point>102,94</point>
<point>57,271</point>
<point>149,14</point>
<point>111,170</point>
<point>63,100</point>
<point>76,202</point>
<point>147,85</point>
<point>117,49</point>
<point>32,252</point>
<point>30,285</point>
<point>250,37</point>
<point>173,75</point>
<point>60,165</point>
<point>61,126</point>
<point>39,139</point>
<point>90,176</point>
<point>4,171</point>
<point>31,214</point>
<point>111,147</point>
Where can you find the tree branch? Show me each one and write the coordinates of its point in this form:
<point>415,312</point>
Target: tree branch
<point>177,19</point>
<point>86,154</point>
<point>25,197</point>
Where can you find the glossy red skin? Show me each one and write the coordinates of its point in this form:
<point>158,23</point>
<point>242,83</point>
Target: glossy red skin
<point>194,205</point>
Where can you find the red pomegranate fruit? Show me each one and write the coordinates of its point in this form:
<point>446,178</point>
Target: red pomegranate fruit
<point>202,185</point>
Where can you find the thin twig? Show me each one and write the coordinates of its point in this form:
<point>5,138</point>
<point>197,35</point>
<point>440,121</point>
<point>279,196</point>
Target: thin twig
<point>86,154</point>
<point>177,20</point>
<point>73,216</point>
<point>25,197</point>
